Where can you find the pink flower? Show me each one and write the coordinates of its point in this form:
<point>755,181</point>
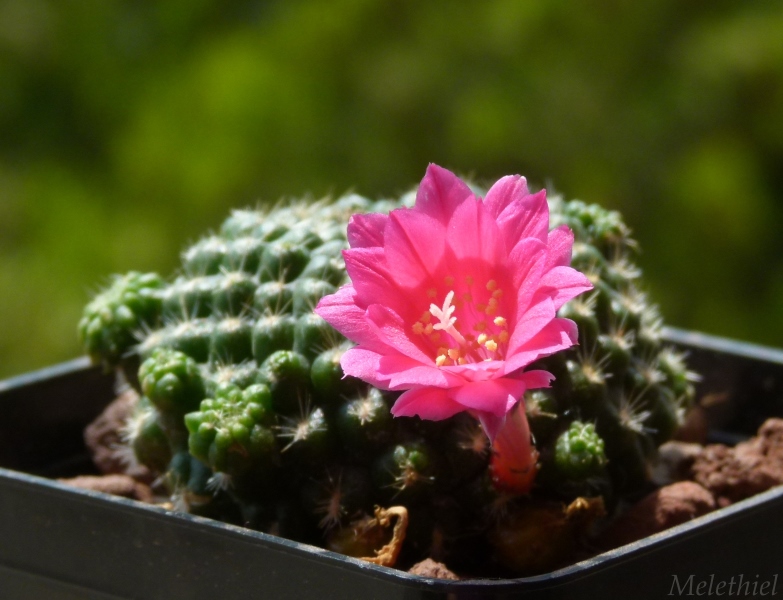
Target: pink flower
<point>450,300</point>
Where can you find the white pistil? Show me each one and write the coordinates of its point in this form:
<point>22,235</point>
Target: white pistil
<point>444,315</point>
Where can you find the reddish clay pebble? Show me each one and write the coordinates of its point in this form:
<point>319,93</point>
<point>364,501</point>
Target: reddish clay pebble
<point>103,437</point>
<point>432,569</point>
<point>664,508</point>
<point>117,485</point>
<point>752,467</point>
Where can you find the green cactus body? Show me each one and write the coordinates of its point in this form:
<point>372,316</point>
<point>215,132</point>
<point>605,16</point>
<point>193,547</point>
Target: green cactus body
<point>172,381</point>
<point>248,415</point>
<point>113,320</point>
<point>231,433</point>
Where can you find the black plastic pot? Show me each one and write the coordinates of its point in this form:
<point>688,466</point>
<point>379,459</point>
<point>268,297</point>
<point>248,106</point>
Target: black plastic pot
<point>57,542</point>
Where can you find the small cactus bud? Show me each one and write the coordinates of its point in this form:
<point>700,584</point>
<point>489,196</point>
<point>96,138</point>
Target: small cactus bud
<point>579,451</point>
<point>231,432</point>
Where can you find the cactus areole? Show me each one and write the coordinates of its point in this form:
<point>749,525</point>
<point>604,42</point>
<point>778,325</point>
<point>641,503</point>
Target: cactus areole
<point>451,299</point>
<point>274,363</point>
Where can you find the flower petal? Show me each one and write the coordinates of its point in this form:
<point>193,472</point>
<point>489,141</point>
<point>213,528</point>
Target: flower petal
<point>504,192</point>
<point>428,403</point>
<point>491,424</point>
<point>519,213</point>
<point>528,258</point>
<point>392,331</point>
<point>534,318</point>
<point>342,313</point>
<point>535,379</point>
<point>476,371</point>
<point>560,244</point>
<point>402,372</point>
<point>565,283</point>
<point>367,270</point>
<point>473,233</point>
<point>440,192</point>
<point>492,396</point>
<point>557,335</point>
<point>366,230</point>
<point>393,372</point>
<point>414,246</point>
<point>363,363</point>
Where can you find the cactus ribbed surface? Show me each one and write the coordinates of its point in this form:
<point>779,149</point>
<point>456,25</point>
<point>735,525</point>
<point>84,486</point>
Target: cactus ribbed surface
<point>246,412</point>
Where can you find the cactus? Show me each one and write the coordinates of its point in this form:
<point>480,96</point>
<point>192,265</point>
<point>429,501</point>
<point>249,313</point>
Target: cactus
<point>110,322</point>
<point>242,382</point>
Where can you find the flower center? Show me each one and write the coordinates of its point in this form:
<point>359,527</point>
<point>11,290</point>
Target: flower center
<point>468,327</point>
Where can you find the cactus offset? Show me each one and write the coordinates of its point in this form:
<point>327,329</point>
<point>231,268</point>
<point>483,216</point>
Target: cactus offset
<point>248,416</point>
<point>110,322</point>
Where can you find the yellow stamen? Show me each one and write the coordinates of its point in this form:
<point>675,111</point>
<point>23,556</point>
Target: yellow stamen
<point>428,329</point>
<point>462,361</point>
<point>442,351</point>
<point>425,317</point>
<point>493,302</point>
<point>435,337</point>
<point>454,353</point>
<point>492,285</point>
<point>500,321</point>
<point>418,328</point>
<point>491,310</point>
<point>491,345</point>
<point>497,293</point>
<point>503,337</point>
<point>482,339</point>
<point>440,360</point>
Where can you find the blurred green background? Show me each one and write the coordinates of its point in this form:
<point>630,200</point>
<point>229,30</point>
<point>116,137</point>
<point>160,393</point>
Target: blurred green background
<point>129,128</point>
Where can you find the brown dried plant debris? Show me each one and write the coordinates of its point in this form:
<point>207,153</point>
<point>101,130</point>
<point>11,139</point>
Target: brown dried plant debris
<point>541,536</point>
<point>387,555</point>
